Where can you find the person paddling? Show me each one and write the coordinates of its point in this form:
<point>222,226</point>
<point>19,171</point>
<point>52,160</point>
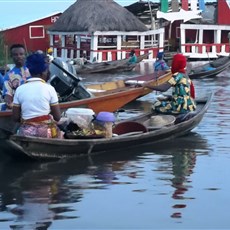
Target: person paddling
<point>160,64</point>
<point>183,93</point>
<point>132,57</point>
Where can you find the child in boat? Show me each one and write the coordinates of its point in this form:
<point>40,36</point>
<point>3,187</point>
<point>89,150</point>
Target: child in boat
<point>182,99</point>
<point>160,64</point>
<point>35,103</point>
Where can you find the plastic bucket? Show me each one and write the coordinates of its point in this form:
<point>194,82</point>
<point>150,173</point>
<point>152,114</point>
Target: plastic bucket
<point>105,117</point>
<point>81,116</point>
<point>79,111</point>
<point>106,120</point>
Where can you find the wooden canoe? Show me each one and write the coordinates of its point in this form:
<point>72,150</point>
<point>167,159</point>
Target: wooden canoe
<point>210,69</point>
<point>113,96</point>
<point>109,66</point>
<point>47,149</point>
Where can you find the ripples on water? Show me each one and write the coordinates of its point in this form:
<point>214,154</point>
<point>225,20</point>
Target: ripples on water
<point>182,184</point>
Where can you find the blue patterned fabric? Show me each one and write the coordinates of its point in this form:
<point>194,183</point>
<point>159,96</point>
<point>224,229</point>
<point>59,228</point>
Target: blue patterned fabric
<point>13,79</point>
<point>160,65</point>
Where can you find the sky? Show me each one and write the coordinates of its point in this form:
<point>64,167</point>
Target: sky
<point>17,12</point>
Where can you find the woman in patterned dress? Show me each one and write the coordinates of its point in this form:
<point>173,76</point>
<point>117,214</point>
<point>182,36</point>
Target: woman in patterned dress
<point>182,99</point>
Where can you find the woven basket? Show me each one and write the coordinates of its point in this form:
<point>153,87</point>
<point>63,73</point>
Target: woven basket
<point>159,121</point>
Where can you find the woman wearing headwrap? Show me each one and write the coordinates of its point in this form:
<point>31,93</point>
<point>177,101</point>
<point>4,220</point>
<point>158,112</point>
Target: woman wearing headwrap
<point>35,103</point>
<point>160,64</point>
<point>182,96</point>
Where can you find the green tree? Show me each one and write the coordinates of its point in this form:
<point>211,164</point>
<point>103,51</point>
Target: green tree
<point>4,54</point>
<point>2,50</point>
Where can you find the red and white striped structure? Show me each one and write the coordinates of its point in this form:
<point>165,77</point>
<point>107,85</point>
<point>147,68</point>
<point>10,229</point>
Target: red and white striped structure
<point>208,40</point>
<point>108,45</point>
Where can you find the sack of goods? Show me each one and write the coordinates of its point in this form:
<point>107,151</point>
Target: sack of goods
<point>80,116</point>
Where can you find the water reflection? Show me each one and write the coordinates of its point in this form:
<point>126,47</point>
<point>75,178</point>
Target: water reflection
<point>142,69</point>
<point>156,186</point>
<point>182,167</point>
<point>153,182</point>
<point>179,160</point>
<point>29,200</point>
<point>43,193</point>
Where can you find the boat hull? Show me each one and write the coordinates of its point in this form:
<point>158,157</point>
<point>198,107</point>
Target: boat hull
<point>109,100</point>
<point>42,148</point>
<point>210,69</point>
<point>110,66</point>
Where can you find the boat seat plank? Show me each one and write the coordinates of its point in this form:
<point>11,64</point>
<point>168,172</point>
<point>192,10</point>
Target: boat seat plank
<point>108,85</point>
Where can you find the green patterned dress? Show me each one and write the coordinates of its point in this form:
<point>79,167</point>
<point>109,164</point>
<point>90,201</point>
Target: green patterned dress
<point>181,101</point>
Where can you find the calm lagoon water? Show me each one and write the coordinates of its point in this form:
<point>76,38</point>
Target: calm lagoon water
<point>181,184</point>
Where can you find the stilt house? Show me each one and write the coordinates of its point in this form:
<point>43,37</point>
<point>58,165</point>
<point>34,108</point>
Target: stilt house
<point>103,31</point>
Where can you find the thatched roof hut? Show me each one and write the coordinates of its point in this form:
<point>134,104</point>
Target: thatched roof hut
<point>97,15</point>
<point>103,31</point>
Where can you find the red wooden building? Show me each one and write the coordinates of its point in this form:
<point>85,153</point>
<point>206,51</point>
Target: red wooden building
<point>223,14</point>
<point>208,39</point>
<point>33,35</point>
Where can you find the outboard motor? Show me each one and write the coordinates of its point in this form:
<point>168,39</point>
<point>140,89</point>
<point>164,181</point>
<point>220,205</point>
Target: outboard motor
<point>65,81</point>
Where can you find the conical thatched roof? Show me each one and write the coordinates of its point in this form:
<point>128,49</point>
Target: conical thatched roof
<point>97,15</point>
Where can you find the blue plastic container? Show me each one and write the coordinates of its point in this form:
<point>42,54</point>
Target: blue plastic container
<point>105,117</point>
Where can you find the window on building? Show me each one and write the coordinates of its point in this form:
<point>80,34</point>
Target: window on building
<point>37,32</point>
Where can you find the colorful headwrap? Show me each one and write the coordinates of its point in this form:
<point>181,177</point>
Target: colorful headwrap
<point>178,63</point>
<point>160,55</point>
<point>36,63</point>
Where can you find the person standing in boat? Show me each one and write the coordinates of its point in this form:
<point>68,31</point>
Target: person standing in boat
<point>160,64</point>
<point>35,103</point>
<point>132,57</point>
<point>183,93</point>
<point>16,76</point>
